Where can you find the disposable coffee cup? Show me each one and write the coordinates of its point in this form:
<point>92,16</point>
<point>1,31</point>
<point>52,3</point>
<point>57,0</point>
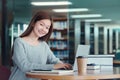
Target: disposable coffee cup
<point>82,65</point>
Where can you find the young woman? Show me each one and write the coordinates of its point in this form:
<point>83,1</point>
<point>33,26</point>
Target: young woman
<point>31,51</point>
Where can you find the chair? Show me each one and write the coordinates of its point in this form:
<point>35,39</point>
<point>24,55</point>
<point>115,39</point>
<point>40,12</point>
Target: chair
<point>4,73</point>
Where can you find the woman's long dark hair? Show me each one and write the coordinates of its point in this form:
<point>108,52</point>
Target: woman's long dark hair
<point>37,17</point>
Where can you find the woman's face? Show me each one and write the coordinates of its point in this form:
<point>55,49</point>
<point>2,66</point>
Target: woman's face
<point>41,27</point>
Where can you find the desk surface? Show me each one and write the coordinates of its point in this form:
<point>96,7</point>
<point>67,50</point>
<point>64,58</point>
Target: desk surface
<point>106,74</point>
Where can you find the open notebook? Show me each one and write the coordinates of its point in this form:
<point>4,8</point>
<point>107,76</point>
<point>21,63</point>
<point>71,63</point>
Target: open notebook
<point>53,71</point>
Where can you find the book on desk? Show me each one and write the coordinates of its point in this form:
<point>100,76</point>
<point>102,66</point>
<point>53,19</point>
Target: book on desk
<point>93,66</point>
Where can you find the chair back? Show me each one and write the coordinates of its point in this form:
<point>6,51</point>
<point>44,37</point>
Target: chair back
<point>4,73</point>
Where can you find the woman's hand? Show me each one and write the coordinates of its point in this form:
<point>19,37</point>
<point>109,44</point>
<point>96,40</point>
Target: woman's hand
<point>62,65</point>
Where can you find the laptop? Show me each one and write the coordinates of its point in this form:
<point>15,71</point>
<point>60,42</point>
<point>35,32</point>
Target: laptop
<point>82,50</point>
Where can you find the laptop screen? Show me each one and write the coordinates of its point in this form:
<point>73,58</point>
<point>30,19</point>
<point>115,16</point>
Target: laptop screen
<point>82,50</point>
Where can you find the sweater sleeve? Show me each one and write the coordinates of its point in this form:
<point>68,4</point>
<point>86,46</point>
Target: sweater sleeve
<point>20,59</point>
<point>51,59</point>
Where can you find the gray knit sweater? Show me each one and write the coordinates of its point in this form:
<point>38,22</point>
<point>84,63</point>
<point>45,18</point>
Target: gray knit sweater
<point>27,57</point>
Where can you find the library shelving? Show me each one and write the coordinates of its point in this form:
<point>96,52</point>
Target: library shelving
<point>114,40</point>
<point>71,41</point>
<point>58,41</point>
<point>92,43</point>
<point>101,40</point>
<point>82,36</point>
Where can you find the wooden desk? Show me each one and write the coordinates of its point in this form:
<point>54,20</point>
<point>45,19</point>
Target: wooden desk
<point>113,74</point>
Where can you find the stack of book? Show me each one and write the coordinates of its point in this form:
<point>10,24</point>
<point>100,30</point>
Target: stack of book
<point>93,66</point>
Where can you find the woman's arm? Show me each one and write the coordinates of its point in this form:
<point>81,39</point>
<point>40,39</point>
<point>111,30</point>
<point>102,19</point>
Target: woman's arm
<point>20,58</point>
<point>51,58</point>
<point>57,63</point>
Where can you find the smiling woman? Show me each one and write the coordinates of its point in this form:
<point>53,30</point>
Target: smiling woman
<point>30,50</point>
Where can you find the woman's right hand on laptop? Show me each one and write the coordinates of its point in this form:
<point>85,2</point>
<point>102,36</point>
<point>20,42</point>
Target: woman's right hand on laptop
<point>65,66</point>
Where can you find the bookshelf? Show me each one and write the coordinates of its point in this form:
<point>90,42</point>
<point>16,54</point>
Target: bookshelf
<point>114,40</point>
<point>58,41</point>
<point>101,40</point>
<point>71,41</point>
<point>92,43</point>
<point>82,35</point>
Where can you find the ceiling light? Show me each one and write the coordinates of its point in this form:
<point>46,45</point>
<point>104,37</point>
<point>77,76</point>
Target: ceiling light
<point>86,16</point>
<point>98,20</point>
<point>70,10</point>
<point>51,3</point>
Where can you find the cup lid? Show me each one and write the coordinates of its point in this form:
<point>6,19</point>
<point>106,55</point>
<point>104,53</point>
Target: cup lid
<point>81,57</point>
